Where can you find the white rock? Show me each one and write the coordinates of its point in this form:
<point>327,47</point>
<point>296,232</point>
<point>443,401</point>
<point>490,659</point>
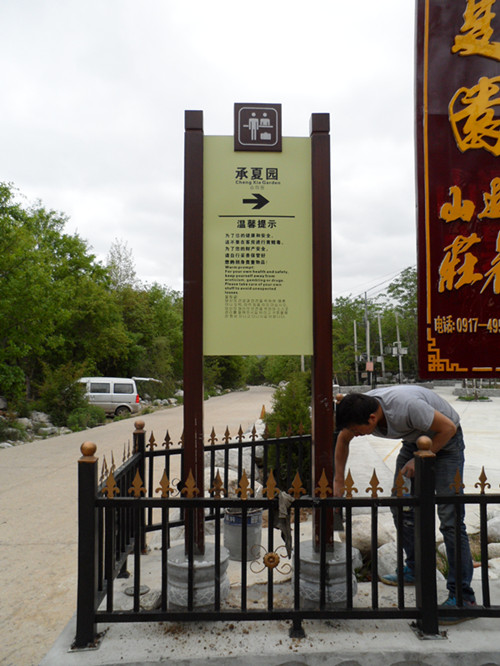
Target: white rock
<point>494,564</point>
<point>388,560</point>
<point>361,532</point>
<point>233,482</point>
<point>492,511</point>
<point>40,417</point>
<point>494,529</point>
<point>493,550</point>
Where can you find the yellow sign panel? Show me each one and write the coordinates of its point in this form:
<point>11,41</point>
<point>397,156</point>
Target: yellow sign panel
<point>257,249</point>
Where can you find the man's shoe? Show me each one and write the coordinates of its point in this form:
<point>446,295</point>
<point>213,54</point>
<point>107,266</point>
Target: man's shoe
<point>392,579</point>
<point>451,602</point>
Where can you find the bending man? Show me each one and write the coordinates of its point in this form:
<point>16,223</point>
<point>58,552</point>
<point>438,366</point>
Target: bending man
<point>407,412</point>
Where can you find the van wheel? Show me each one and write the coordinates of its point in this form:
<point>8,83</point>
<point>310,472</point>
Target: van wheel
<point>122,410</point>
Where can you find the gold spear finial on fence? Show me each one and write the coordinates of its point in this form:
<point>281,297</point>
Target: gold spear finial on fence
<point>297,489</point>
<point>110,489</point>
<point>244,487</point>
<point>349,486</point>
<point>271,489</point>
<point>165,488</point>
<point>399,484</point>
<point>218,488</point>
<point>137,487</point>
<point>374,487</point>
<point>457,484</point>
<point>483,482</point>
<point>323,489</point>
<point>152,442</point>
<point>104,469</point>
<point>190,489</point>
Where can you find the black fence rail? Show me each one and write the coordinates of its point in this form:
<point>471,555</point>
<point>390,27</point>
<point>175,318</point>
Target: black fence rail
<point>143,496</point>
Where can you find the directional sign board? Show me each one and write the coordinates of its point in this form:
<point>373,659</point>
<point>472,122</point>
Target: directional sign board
<point>257,249</point>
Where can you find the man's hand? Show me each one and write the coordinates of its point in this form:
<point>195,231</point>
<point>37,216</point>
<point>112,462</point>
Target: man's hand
<point>341,454</point>
<point>409,469</point>
<point>338,487</point>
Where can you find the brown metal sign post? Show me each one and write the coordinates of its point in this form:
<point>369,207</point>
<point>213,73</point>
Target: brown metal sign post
<point>193,319</point>
<point>257,269</point>
<point>322,379</point>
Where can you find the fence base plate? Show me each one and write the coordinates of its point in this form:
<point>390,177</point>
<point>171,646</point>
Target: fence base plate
<point>440,636</point>
<point>92,646</point>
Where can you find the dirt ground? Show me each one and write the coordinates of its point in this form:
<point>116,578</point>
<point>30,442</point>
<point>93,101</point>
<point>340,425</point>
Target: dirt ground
<point>38,517</point>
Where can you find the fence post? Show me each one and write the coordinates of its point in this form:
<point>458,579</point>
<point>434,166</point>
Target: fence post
<point>425,538</point>
<point>140,447</point>
<point>86,630</point>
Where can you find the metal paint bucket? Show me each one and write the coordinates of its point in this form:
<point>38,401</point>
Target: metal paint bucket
<point>233,529</point>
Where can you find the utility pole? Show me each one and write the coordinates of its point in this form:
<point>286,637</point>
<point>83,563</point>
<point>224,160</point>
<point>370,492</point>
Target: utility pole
<point>400,356</point>
<point>367,325</point>
<point>381,346</point>
<point>356,357</point>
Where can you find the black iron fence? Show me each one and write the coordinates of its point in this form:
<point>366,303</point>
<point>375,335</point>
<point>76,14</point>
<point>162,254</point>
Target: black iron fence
<point>144,495</point>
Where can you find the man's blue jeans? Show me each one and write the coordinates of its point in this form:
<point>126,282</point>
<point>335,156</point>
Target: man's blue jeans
<point>448,460</point>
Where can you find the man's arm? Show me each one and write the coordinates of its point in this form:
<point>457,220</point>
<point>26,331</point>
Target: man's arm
<point>341,454</point>
<point>444,429</point>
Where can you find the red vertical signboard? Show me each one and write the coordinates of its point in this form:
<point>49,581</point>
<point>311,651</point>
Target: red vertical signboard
<point>458,172</point>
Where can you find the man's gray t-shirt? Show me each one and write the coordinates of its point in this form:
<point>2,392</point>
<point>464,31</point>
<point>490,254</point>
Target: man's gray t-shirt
<point>409,411</point>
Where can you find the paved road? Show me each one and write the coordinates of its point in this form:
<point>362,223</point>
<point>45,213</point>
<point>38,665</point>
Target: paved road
<point>38,518</point>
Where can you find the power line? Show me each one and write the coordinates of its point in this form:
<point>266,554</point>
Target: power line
<point>390,278</point>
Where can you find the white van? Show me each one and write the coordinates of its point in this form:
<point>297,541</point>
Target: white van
<point>116,395</point>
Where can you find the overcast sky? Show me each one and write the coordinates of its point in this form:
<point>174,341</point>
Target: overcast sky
<point>92,104</point>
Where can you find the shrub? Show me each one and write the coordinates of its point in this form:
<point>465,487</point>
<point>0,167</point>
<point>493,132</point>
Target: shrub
<point>291,405</point>
<point>86,417</point>
<point>61,393</point>
<point>11,430</point>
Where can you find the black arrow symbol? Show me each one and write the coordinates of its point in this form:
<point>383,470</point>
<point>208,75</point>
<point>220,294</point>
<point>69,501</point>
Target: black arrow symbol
<point>259,201</point>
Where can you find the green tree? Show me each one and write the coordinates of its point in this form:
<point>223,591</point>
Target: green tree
<point>223,371</point>
<point>402,298</point>
<point>345,312</point>
<point>56,306</point>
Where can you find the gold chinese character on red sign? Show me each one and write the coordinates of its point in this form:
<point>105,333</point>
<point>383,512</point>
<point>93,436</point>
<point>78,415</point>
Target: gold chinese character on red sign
<point>476,31</point>
<point>472,116</point>
<point>448,270</point>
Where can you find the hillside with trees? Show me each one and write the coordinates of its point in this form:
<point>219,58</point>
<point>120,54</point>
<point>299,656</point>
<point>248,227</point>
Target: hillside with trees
<point>63,315</point>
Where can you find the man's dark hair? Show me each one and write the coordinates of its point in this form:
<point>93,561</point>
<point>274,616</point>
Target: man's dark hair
<point>354,409</point>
